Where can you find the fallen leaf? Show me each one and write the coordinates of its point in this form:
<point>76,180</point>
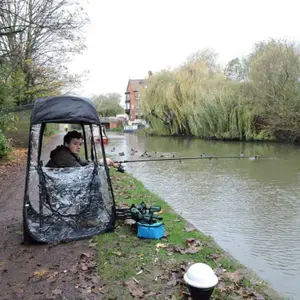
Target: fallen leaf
<point>91,264</point>
<point>214,256</point>
<point>151,294</point>
<point>57,292</point>
<point>221,286</point>
<point>219,271</point>
<point>118,253</point>
<point>85,254</point>
<point>52,278</point>
<point>41,273</point>
<point>173,280</point>
<point>192,250</point>
<point>83,267</point>
<point>92,243</point>
<point>140,272</point>
<point>192,242</point>
<point>134,289</point>
<point>235,276</point>
<point>160,245</point>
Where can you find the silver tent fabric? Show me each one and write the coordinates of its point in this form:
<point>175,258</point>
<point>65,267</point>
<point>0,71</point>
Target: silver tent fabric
<point>66,203</point>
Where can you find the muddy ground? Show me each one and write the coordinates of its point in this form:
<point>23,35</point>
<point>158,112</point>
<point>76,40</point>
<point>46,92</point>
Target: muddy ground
<point>63,271</point>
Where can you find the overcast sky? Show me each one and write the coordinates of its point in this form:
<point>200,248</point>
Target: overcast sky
<point>127,38</point>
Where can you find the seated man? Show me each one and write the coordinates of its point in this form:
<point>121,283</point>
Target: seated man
<point>66,155</point>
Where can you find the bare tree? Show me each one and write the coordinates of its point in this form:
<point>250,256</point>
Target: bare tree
<point>38,37</point>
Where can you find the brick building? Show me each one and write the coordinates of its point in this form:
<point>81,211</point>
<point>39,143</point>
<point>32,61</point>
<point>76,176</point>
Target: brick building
<point>134,87</point>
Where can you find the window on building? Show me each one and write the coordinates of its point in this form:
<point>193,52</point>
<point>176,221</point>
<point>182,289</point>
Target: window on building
<point>127,105</point>
<point>127,97</point>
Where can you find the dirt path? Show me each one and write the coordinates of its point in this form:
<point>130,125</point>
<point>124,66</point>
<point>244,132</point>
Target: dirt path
<point>63,271</point>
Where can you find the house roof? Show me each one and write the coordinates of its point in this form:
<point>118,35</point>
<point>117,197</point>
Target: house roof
<point>136,84</point>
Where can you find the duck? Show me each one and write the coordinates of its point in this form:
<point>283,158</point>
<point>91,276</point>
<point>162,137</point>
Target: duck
<point>121,153</point>
<point>253,157</point>
<point>202,154</point>
<point>241,154</point>
<point>145,153</point>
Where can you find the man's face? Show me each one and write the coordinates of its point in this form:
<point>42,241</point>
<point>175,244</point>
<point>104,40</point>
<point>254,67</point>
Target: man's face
<point>75,145</point>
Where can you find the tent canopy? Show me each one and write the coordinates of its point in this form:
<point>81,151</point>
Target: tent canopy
<point>64,109</point>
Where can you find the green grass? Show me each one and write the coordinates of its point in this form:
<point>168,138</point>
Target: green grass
<point>124,259</point>
<point>118,129</point>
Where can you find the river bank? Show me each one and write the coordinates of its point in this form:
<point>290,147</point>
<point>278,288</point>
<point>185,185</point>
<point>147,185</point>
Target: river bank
<point>251,208</point>
<point>153,269</point>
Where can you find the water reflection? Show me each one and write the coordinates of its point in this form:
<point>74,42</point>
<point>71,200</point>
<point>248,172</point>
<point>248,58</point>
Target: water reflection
<point>251,208</point>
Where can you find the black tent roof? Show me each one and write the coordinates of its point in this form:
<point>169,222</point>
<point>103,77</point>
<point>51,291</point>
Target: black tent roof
<point>64,109</point>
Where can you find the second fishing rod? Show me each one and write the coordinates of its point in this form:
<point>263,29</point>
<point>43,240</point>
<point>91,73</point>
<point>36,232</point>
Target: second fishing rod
<point>255,157</point>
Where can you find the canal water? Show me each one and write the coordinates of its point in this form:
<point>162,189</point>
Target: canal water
<point>251,208</point>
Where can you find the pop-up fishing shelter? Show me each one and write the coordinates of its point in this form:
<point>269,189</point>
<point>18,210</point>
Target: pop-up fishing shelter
<point>63,204</point>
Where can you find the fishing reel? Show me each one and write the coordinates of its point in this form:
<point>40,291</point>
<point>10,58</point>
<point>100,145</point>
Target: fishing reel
<point>121,169</point>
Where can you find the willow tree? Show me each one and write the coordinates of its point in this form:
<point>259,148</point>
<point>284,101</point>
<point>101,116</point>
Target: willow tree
<point>197,99</point>
<point>274,74</point>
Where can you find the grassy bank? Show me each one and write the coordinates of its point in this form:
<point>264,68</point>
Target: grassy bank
<point>118,129</point>
<point>153,269</point>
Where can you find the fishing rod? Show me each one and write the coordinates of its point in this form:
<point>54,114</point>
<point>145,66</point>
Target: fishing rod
<point>191,158</point>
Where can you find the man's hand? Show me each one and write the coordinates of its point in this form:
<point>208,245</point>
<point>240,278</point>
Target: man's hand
<point>109,162</point>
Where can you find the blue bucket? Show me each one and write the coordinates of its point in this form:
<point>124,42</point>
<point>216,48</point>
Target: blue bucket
<point>150,231</point>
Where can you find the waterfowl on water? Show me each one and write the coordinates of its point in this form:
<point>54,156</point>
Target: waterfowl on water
<point>145,153</point>
<point>202,154</point>
<point>253,157</point>
<point>241,154</point>
<point>121,153</point>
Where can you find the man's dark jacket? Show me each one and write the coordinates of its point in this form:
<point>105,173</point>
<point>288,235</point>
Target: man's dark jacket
<point>62,157</point>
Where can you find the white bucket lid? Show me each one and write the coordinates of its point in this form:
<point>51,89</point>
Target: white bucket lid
<point>200,275</point>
